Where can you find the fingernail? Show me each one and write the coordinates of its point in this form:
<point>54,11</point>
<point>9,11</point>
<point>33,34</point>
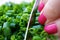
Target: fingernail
<point>40,7</point>
<point>51,29</point>
<point>42,19</point>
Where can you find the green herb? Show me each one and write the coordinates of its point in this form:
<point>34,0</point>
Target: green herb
<point>13,20</point>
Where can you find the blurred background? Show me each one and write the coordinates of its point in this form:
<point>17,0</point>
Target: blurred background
<point>14,1</point>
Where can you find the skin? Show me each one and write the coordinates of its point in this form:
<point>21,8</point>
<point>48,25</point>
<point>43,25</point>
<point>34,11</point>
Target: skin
<point>52,13</point>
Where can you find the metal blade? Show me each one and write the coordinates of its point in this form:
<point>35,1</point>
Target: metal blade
<point>31,16</point>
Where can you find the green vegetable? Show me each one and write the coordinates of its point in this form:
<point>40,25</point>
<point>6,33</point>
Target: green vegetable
<point>0,28</point>
<point>1,37</point>
<point>13,20</point>
<point>36,38</point>
<point>13,37</point>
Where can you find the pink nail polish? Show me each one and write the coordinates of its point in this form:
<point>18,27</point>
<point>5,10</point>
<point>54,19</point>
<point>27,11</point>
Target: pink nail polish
<point>40,7</point>
<point>51,29</point>
<point>42,19</point>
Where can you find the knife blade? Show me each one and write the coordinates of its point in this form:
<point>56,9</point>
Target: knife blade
<point>31,16</point>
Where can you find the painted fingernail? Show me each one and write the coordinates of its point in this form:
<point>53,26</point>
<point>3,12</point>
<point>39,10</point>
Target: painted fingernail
<point>51,29</point>
<point>42,19</point>
<point>40,7</point>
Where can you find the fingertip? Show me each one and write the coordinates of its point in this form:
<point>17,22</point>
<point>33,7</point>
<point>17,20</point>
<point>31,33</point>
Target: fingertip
<point>51,28</point>
<point>41,6</point>
<point>42,19</point>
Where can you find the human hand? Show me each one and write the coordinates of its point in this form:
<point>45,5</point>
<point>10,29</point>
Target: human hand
<point>50,16</point>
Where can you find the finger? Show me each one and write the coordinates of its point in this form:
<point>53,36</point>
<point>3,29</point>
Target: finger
<point>50,12</point>
<point>42,4</point>
<point>42,19</point>
<point>52,28</point>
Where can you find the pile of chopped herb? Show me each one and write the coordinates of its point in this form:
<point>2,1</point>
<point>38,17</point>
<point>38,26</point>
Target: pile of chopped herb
<point>13,20</point>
